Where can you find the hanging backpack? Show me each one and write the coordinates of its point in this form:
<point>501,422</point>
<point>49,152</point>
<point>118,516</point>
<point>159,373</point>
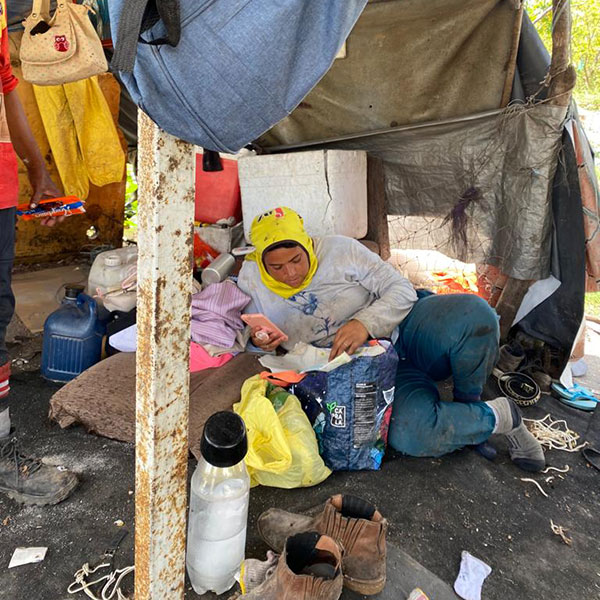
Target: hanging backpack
<point>219,73</point>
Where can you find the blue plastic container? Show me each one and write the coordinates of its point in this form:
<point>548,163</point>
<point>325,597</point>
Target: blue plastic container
<point>72,336</point>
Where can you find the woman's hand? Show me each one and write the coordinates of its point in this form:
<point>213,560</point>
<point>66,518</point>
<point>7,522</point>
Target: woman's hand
<point>349,338</point>
<point>42,184</point>
<point>264,340</point>
<point>43,187</point>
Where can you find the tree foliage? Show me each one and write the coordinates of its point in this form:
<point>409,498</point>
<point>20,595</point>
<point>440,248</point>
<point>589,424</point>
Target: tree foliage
<point>585,44</point>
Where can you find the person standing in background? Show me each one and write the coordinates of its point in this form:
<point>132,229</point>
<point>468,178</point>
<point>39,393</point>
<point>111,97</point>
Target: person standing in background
<point>22,478</point>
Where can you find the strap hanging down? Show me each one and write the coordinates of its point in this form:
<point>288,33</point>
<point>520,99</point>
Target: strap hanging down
<point>138,16</point>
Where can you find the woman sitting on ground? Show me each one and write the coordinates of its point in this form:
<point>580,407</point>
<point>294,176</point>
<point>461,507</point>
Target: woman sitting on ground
<point>334,292</point>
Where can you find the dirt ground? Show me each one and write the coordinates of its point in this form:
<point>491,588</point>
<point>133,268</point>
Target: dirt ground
<point>436,507</point>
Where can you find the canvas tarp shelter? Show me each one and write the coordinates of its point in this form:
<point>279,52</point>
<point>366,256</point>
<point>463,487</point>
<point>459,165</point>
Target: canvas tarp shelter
<point>408,61</point>
<point>444,63</point>
<point>421,87</point>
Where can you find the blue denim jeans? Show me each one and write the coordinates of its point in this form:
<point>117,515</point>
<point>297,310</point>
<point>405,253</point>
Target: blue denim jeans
<point>444,336</point>
<point>7,255</point>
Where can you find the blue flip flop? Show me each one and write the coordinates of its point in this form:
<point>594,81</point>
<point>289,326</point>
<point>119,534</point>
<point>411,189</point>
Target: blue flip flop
<point>577,396</point>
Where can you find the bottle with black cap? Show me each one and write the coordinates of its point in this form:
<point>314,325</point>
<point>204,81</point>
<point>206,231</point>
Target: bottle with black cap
<point>219,496</point>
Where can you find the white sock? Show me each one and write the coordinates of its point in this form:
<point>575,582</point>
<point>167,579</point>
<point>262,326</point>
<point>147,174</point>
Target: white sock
<point>507,417</point>
<point>4,423</point>
<point>471,576</point>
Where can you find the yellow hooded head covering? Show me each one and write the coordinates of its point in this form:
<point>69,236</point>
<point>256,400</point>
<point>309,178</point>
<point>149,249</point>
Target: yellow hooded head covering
<point>280,225</point>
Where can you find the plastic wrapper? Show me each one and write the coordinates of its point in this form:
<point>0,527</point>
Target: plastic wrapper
<point>52,207</point>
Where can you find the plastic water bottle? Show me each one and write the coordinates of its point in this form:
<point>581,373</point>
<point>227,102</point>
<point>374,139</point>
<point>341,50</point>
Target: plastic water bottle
<point>220,492</point>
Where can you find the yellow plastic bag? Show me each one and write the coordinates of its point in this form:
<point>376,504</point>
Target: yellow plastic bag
<point>282,446</point>
<point>82,135</point>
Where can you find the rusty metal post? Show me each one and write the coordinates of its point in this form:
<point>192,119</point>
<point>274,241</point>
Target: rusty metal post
<point>165,221</point>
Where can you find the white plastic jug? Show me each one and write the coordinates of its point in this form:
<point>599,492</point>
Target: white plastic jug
<point>107,275</point>
<point>220,492</point>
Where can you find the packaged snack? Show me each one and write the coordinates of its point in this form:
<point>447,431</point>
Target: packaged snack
<point>52,207</point>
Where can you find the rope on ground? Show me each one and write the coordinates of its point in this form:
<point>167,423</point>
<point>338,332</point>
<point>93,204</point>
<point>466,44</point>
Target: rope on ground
<point>111,590</point>
<point>561,532</point>
<point>554,435</point>
<point>548,469</point>
<point>539,487</point>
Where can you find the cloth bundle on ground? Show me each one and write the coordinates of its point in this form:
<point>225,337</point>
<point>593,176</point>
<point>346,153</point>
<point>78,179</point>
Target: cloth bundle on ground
<point>126,341</point>
<point>102,398</point>
<point>282,447</point>
<point>216,312</point>
<point>220,73</point>
<point>82,135</point>
<point>218,333</point>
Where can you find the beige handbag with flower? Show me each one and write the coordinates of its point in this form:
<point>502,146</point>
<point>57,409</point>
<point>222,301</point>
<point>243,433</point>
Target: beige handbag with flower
<point>61,48</point>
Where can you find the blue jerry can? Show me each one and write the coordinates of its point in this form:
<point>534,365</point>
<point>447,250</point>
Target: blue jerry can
<point>72,336</point>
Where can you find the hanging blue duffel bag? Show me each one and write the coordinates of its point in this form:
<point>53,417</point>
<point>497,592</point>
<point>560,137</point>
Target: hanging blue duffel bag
<point>219,73</point>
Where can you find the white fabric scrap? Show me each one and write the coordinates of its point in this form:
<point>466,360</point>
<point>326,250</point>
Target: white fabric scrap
<point>471,576</point>
<point>26,556</point>
<point>124,340</point>
<point>579,368</point>
<point>305,357</point>
<point>537,293</point>
<point>566,378</point>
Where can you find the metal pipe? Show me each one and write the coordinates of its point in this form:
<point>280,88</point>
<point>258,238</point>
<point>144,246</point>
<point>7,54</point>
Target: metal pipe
<point>165,222</point>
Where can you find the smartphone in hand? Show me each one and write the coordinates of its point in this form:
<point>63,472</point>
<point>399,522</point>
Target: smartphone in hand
<point>259,320</point>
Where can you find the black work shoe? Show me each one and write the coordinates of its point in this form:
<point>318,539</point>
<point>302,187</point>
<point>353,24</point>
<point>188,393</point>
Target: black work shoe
<point>30,481</point>
<point>510,357</point>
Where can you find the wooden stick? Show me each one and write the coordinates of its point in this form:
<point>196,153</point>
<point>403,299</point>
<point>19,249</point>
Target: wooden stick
<point>511,65</point>
<point>377,206</point>
<point>510,300</point>
<point>562,73</point>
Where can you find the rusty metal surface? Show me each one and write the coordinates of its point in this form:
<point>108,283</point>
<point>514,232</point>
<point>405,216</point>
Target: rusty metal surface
<point>165,218</point>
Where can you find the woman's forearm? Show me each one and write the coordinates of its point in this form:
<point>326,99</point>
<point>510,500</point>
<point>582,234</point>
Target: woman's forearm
<point>20,133</point>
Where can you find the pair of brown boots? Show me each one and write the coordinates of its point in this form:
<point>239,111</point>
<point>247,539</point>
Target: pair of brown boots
<point>342,546</point>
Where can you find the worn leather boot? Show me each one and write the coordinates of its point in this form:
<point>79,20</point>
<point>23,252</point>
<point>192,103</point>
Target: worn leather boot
<point>355,524</point>
<point>30,481</point>
<point>310,568</point>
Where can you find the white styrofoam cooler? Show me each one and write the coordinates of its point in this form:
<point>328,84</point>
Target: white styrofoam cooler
<point>328,188</point>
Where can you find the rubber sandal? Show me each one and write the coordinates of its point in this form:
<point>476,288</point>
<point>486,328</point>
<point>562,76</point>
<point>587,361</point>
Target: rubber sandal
<point>592,455</point>
<point>576,397</point>
<point>579,402</point>
<point>576,390</point>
